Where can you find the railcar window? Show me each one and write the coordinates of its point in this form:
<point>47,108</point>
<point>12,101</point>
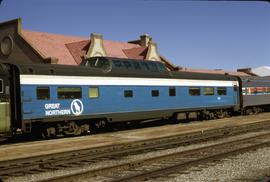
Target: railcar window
<point>244,92</point>
<point>172,91</point>
<point>99,63</point>
<point>93,92</point>
<point>253,90</point>
<point>153,67</point>
<point>208,91</point>
<point>161,67</point>
<point>43,93</point>
<point>155,93</point>
<point>104,64</point>
<point>248,91</point>
<point>194,91</point>
<point>128,93</point>
<point>91,63</point>
<point>256,90</point>
<point>117,63</point>
<point>1,86</point>
<point>144,66</point>
<point>69,92</point>
<point>136,65</point>
<point>127,64</point>
<point>222,91</point>
<point>260,90</point>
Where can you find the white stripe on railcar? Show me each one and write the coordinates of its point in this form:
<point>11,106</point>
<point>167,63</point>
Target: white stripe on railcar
<point>87,80</point>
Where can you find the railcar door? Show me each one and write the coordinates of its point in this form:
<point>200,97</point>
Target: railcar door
<point>5,120</point>
<point>236,94</point>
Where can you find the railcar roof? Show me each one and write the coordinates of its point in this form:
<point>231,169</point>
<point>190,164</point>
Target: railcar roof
<point>66,70</point>
<point>256,81</point>
<point>202,76</point>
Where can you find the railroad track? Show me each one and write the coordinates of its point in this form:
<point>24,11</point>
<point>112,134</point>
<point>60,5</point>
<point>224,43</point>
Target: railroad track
<point>162,166</point>
<point>38,164</point>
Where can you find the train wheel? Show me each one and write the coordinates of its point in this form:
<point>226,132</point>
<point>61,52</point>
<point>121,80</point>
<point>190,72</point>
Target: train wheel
<point>49,132</point>
<point>257,110</point>
<point>85,129</point>
<point>249,112</point>
<point>72,129</point>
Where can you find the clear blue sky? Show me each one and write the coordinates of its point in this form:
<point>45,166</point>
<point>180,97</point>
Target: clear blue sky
<point>227,35</point>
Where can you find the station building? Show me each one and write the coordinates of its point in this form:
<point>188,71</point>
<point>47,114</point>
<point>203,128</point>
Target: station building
<point>26,46</point>
<point>18,45</point>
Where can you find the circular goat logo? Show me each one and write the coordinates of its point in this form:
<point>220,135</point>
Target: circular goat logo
<point>76,107</point>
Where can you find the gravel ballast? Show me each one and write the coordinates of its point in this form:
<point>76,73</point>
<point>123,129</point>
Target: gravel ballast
<point>250,166</point>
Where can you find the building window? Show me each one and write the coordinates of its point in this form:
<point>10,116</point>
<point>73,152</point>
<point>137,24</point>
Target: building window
<point>155,93</point>
<point>128,93</point>
<point>93,92</point>
<point>194,91</point>
<point>172,91</point>
<point>208,91</point>
<point>43,93</point>
<point>222,91</point>
<point>69,92</point>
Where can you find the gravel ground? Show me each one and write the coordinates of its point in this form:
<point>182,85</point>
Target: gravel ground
<point>251,166</point>
<point>238,167</point>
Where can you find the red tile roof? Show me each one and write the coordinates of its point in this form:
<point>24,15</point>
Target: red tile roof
<point>78,50</point>
<point>115,49</point>
<point>52,45</point>
<point>136,53</point>
<point>71,49</point>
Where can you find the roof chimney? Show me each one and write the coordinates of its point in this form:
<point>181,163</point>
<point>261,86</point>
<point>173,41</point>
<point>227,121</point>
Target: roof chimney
<point>152,52</point>
<point>145,39</point>
<point>96,47</point>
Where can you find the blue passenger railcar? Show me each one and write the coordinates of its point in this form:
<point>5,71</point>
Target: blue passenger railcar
<point>75,98</point>
<point>115,90</point>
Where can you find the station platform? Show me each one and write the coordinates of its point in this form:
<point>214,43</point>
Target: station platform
<point>37,148</point>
